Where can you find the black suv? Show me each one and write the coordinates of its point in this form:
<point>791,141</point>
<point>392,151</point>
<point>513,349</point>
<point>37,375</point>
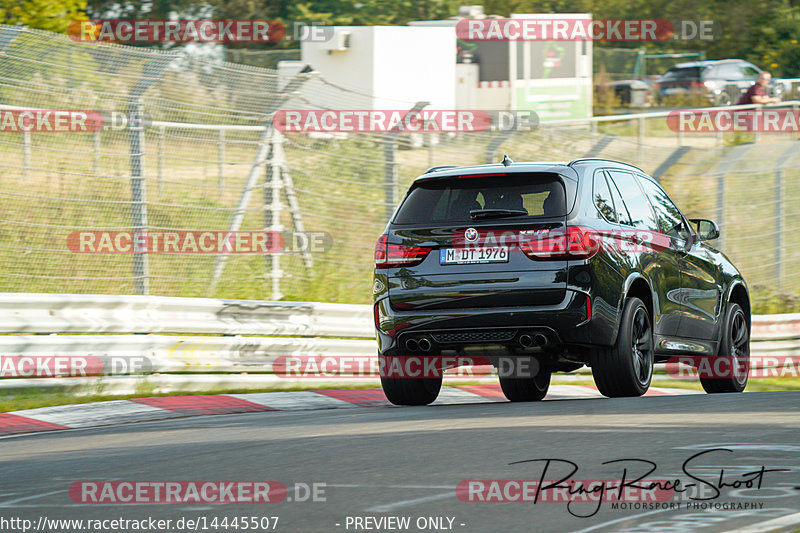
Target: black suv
<point>722,81</point>
<point>565,264</point>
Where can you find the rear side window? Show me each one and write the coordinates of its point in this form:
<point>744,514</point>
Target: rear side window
<point>641,215</point>
<point>622,212</point>
<point>448,200</point>
<point>602,197</point>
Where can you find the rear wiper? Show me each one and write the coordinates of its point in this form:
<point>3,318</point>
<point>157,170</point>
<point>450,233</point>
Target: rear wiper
<point>475,214</point>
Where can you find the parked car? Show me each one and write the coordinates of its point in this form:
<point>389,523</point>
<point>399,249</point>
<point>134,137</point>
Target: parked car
<point>556,262</point>
<point>722,82</point>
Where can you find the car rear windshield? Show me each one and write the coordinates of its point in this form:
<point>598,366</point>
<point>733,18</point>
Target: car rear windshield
<point>689,73</point>
<point>451,199</point>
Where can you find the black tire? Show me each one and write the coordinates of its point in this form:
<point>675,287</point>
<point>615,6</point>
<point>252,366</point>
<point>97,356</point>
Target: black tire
<point>626,369</point>
<point>410,391</point>
<point>530,389</point>
<point>736,344</point>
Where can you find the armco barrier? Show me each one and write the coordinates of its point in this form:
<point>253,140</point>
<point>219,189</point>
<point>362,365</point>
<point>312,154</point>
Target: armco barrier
<point>71,313</point>
<point>224,335</point>
<point>165,353</point>
<point>216,335</point>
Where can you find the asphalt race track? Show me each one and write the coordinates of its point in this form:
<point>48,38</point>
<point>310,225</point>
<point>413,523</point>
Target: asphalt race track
<point>382,462</point>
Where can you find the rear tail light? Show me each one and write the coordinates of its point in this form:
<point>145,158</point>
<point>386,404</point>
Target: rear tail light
<point>582,242</point>
<point>380,252</point>
<point>395,255</point>
<point>575,243</point>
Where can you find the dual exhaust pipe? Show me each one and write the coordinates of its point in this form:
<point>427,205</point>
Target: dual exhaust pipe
<point>536,340</point>
<point>422,344</point>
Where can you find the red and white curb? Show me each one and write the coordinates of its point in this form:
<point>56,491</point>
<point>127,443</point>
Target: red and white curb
<point>160,407</point>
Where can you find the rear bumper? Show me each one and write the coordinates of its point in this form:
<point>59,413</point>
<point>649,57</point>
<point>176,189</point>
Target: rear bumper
<point>565,323</point>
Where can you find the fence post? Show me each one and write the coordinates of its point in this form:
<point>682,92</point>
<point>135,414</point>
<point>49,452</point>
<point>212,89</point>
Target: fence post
<point>161,133</point>
<point>779,227</point>
<point>272,203</point>
<point>390,164</point>
<point>160,158</point>
<point>390,173</point>
<point>141,267</point>
<point>721,206</point>
<point>150,74</point>
<point>221,167</point>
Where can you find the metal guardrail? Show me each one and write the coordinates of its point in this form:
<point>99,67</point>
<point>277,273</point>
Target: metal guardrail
<point>178,335</point>
<point>168,334</point>
<point>178,354</point>
<point>79,313</point>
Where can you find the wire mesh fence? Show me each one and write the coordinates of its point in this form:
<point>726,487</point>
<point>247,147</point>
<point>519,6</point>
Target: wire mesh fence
<point>261,58</point>
<point>198,154</point>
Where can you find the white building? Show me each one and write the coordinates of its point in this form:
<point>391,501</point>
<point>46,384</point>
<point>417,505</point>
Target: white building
<point>380,67</point>
<point>394,67</point>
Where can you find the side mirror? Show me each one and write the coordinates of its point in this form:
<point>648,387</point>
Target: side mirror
<point>707,230</point>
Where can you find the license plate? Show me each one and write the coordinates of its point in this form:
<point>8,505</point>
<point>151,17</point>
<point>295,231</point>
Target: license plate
<point>470,256</point>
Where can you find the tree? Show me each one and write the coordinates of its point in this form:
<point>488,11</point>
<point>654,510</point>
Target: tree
<point>52,15</point>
